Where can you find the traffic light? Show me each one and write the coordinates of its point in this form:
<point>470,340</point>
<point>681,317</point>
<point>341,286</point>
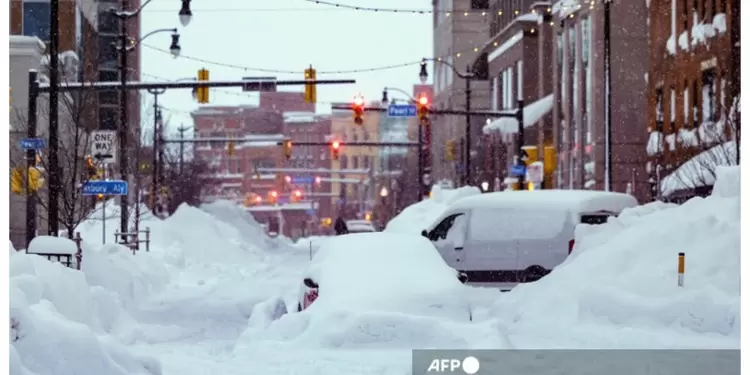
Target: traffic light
<point>18,180</point>
<point>423,104</point>
<point>450,150</point>
<point>272,196</point>
<point>358,106</point>
<point>231,148</point>
<point>288,149</point>
<point>335,145</point>
<point>100,197</point>
<point>91,170</point>
<point>201,92</point>
<point>296,196</point>
<point>310,88</point>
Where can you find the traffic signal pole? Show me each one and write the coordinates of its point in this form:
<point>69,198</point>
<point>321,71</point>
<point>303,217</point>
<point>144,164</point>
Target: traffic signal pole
<point>42,88</point>
<point>31,160</point>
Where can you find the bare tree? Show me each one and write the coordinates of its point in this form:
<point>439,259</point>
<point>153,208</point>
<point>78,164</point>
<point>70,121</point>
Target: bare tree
<point>76,122</point>
<point>718,145</point>
<point>187,181</point>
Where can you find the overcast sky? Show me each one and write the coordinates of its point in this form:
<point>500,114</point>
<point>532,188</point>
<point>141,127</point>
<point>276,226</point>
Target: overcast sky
<point>284,35</point>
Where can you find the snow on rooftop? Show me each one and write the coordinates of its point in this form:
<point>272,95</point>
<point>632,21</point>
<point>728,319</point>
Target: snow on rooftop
<point>577,201</point>
<point>528,17</point>
<point>299,117</point>
<point>532,113</point>
<point>700,170</point>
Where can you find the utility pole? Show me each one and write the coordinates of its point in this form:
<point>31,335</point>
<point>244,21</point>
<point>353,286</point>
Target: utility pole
<point>182,130</point>
<point>608,96</point>
<point>123,128</point>
<point>54,165</point>
<point>31,161</point>
<point>155,163</point>
<point>467,163</point>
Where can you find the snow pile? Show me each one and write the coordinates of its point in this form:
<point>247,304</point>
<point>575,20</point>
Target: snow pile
<point>418,216</point>
<point>369,301</point>
<point>60,324</point>
<point>239,217</point>
<point>619,286</point>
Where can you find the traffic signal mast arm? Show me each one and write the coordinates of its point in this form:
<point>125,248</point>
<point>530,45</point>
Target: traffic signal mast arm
<point>510,113</point>
<point>250,85</point>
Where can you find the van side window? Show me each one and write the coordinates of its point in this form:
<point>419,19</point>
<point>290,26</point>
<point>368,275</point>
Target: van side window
<point>441,230</point>
<point>594,219</point>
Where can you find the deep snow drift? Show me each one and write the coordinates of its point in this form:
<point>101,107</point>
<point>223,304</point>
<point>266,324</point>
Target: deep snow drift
<point>418,216</point>
<point>619,287</point>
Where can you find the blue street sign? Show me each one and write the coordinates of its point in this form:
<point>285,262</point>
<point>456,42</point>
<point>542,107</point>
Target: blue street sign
<point>302,180</point>
<point>402,110</point>
<point>518,170</point>
<point>114,187</point>
<point>31,143</point>
<point>311,212</point>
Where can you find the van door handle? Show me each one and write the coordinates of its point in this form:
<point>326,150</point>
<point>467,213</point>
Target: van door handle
<point>459,248</point>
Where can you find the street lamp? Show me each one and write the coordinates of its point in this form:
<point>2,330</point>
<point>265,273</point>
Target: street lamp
<point>485,186</point>
<point>467,76</point>
<point>175,49</point>
<point>384,192</point>
<point>185,14</point>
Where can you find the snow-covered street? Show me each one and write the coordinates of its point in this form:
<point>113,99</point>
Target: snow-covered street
<point>207,299</point>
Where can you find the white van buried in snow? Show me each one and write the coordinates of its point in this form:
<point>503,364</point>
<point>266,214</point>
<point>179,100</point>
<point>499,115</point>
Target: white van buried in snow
<point>505,238</point>
<point>383,272</point>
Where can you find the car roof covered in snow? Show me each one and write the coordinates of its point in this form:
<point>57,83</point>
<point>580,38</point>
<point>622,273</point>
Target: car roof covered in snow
<point>375,269</point>
<point>576,201</point>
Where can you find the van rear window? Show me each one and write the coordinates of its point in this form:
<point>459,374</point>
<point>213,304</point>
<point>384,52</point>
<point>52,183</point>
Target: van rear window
<point>594,219</point>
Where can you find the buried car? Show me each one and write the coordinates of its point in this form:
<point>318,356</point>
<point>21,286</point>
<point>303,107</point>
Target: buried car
<point>384,272</point>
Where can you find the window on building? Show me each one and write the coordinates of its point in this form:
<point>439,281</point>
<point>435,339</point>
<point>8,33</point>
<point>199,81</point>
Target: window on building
<point>511,89</point>
<point>519,81</point>
<point>108,118</point>
<point>719,8</point>
<point>107,50</point>
<point>109,76</point>
<point>708,97</point>
<point>686,105</point>
<point>659,110</point>
<point>480,4</point>
<point>355,162</point>
<point>233,165</point>
<point>264,163</point>
<point>495,94</point>
<point>366,162</point>
<point>109,97</point>
<point>108,23</point>
<point>685,15</point>
<point>344,162</point>
<point>696,102</point>
<point>673,13</point>
<point>36,21</point>
<point>672,109</point>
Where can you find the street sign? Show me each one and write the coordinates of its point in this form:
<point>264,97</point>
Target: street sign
<point>535,172</point>
<point>518,170</point>
<point>104,146</point>
<point>402,110</point>
<point>31,143</point>
<point>302,180</point>
<point>259,84</point>
<point>113,187</point>
<point>311,212</point>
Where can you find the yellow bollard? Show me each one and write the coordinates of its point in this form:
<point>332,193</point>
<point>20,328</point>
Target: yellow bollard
<point>680,269</point>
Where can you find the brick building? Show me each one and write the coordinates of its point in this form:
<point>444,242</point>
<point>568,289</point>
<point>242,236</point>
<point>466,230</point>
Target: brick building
<point>693,79</point>
<point>565,106</point>
<point>278,115</point>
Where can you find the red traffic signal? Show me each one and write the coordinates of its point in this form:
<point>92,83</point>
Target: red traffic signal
<point>274,194</point>
<point>297,193</point>
<point>335,150</point>
<point>422,106</point>
<point>423,100</point>
<point>359,109</point>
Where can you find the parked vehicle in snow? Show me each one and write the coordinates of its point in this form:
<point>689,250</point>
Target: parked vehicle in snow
<point>383,272</point>
<point>505,238</point>
<point>360,226</point>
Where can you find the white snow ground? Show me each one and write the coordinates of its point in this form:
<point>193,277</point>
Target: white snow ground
<point>202,300</point>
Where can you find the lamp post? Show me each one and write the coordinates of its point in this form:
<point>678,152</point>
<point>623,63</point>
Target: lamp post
<point>123,48</point>
<point>467,76</point>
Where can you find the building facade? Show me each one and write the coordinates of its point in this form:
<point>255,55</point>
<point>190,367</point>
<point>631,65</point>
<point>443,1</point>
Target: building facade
<point>460,27</point>
<point>518,56</point>
<point>693,80</point>
<point>580,89</point>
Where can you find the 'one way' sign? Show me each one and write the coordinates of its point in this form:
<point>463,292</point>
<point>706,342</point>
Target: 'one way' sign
<point>104,146</point>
